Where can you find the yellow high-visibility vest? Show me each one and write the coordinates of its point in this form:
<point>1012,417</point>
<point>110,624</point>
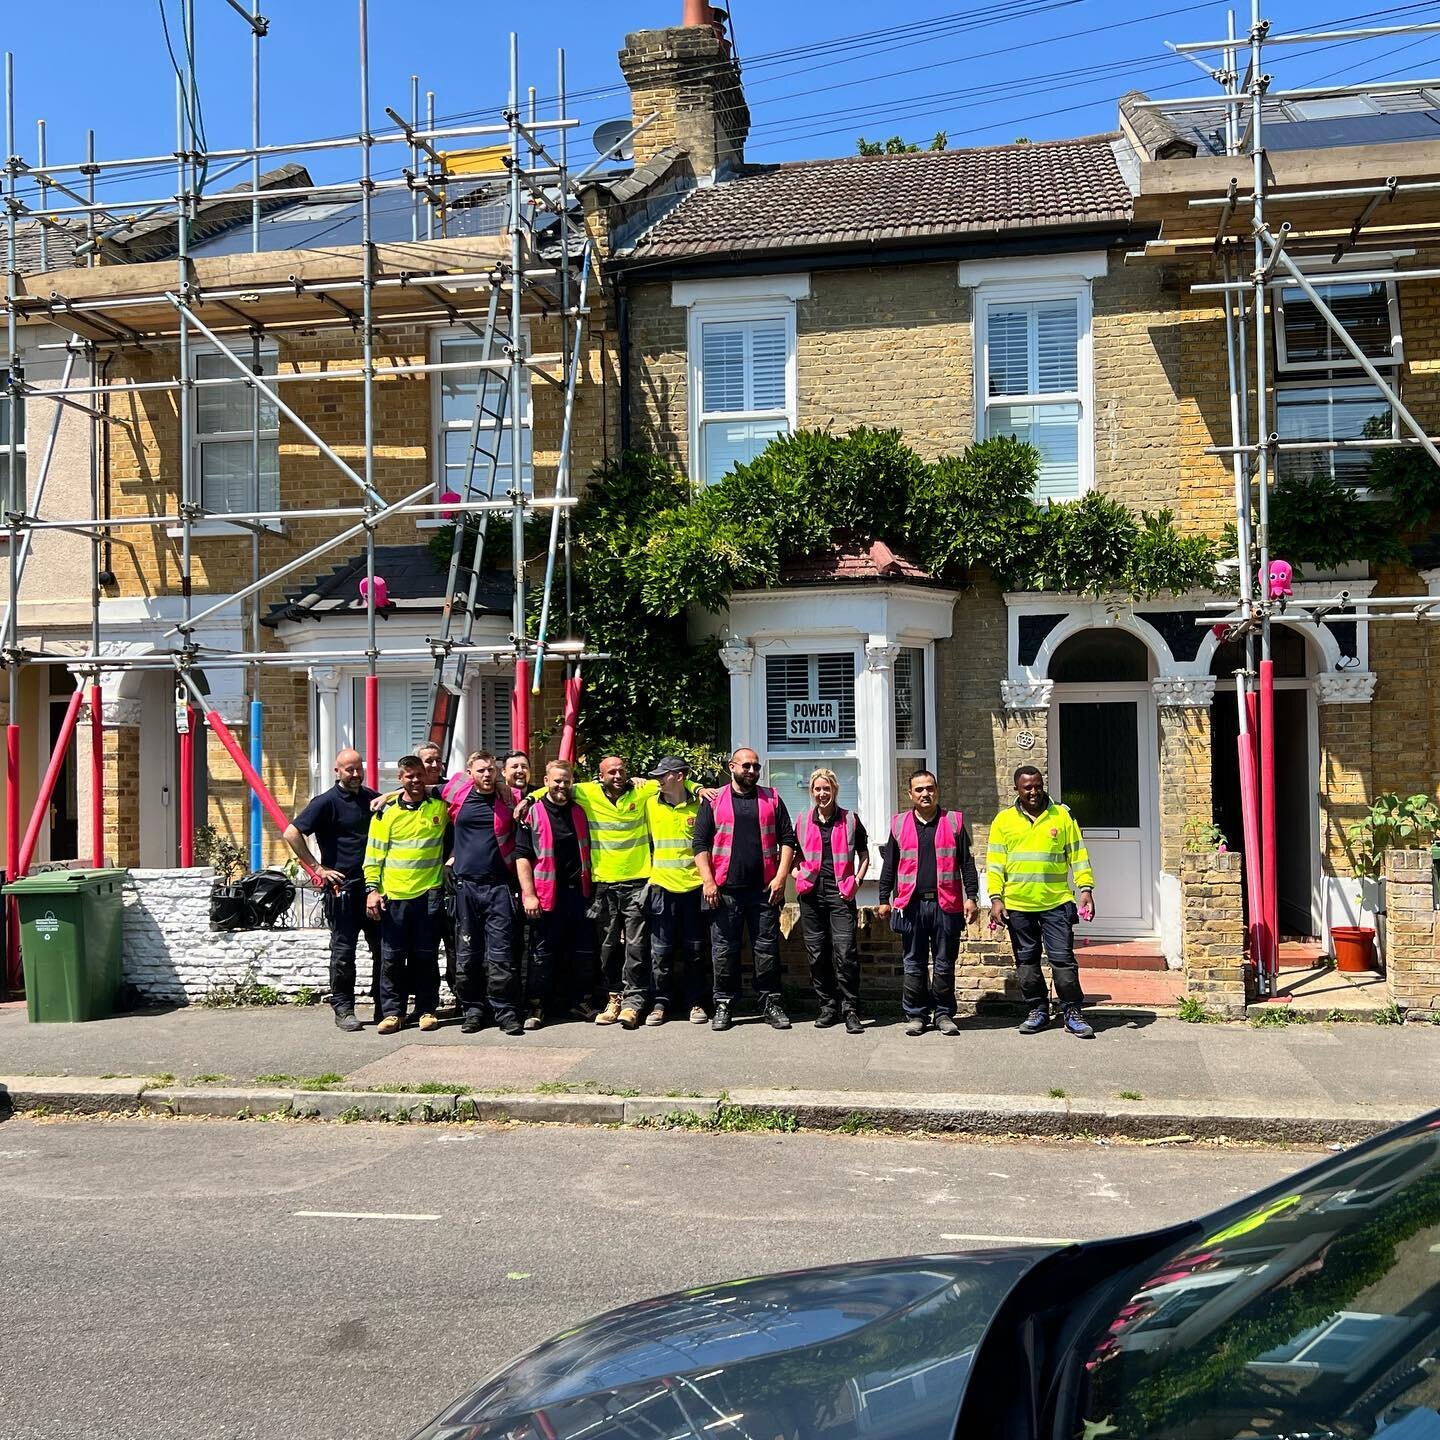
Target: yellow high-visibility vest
<point>672,837</point>
<point>405,851</point>
<point>1028,863</point>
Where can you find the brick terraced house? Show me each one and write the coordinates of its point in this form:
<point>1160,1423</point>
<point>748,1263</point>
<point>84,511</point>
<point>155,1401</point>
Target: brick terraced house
<point>954,295</point>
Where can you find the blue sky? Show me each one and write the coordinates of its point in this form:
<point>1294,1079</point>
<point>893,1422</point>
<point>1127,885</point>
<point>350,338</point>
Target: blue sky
<point>984,72</point>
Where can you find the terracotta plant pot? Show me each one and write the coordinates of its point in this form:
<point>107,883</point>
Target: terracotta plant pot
<point>1354,948</point>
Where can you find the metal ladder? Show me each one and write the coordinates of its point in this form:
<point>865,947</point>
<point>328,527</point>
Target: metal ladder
<point>489,436</point>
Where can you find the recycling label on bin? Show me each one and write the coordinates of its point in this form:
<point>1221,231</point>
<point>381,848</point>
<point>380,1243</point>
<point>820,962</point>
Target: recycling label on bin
<point>47,925</point>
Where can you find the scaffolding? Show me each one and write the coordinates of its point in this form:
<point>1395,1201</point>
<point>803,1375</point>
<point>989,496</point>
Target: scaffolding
<point>537,264</point>
<point>1236,226</point>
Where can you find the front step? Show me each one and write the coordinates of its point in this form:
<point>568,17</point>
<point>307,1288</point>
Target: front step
<point>1118,954</point>
<point>1132,989</point>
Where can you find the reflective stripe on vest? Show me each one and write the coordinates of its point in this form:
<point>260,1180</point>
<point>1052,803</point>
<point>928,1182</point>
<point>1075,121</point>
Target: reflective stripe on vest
<point>1031,859</point>
<point>842,852</point>
<point>672,836</point>
<point>546,884</point>
<point>767,808</point>
<point>905,832</point>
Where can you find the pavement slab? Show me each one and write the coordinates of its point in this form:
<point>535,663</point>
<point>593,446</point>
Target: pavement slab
<point>482,1068</point>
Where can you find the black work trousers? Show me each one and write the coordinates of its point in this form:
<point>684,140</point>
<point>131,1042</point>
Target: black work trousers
<point>1055,931</point>
<point>677,935</point>
<point>443,909</point>
<point>619,911</point>
<point>740,912</point>
<point>827,922</point>
<point>930,941</point>
<point>346,916</point>
<point>562,965</point>
<point>485,969</point>
<point>409,945</point>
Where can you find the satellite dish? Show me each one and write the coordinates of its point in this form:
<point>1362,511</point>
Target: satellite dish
<point>610,133</point>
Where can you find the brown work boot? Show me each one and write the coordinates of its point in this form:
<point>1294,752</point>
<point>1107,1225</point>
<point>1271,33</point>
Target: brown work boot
<point>388,1026</point>
<point>629,1018</point>
<point>429,1021</point>
<point>611,1013</point>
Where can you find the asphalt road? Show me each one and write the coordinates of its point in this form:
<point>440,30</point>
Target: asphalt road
<point>162,1279</point>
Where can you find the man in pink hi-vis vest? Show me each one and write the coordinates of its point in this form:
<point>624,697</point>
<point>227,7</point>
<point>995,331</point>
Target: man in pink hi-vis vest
<point>552,863</point>
<point>928,888</point>
<point>744,844</point>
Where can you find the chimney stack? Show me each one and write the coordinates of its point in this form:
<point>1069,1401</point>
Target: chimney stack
<point>688,75</point>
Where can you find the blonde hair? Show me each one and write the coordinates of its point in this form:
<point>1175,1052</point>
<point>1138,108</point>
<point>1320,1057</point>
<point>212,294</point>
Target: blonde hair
<point>475,755</point>
<point>821,773</point>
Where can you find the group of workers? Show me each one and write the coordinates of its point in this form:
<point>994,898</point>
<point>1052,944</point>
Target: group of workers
<point>593,900</point>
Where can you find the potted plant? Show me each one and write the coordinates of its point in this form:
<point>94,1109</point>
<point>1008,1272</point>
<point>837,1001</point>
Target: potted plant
<point>228,905</point>
<point>1390,824</point>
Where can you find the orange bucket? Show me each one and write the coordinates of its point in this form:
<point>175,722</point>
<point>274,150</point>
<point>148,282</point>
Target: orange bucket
<point>1354,948</point>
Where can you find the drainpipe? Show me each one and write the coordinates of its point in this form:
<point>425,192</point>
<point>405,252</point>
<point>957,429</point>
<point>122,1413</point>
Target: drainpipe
<point>622,328</point>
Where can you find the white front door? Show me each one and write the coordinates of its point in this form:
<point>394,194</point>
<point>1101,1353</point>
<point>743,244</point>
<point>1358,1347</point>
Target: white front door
<point>1103,759</point>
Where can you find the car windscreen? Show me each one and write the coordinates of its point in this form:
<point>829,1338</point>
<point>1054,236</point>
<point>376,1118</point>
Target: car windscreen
<point>1313,1314</point>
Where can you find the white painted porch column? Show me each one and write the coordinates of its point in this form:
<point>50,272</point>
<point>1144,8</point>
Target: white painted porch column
<point>739,660</point>
<point>325,690</point>
<point>874,739</point>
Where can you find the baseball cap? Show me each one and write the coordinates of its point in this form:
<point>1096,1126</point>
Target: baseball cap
<point>668,765</point>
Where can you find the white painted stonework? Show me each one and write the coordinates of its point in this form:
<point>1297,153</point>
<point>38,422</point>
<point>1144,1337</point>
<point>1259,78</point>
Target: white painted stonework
<point>171,954</point>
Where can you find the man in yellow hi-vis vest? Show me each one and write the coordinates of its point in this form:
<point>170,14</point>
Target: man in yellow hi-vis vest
<point>1034,848</point>
<point>404,863</point>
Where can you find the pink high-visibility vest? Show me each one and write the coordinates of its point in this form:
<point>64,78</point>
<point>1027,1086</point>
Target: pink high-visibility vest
<point>456,791</point>
<point>948,891</point>
<point>842,852</point>
<point>546,886</point>
<point>768,808</point>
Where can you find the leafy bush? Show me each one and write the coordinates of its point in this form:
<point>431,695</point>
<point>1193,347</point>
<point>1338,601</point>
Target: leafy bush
<point>1390,824</point>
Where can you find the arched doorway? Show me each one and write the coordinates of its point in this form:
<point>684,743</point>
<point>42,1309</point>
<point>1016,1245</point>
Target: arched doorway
<point>1104,759</point>
<point>1296,796</point>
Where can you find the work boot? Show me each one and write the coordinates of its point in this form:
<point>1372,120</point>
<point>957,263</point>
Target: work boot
<point>827,1017</point>
<point>583,1010</point>
<point>473,1023</point>
<point>945,1024</point>
<point>698,1015</point>
<point>345,1020</point>
<point>1036,1020</point>
<point>721,1020</point>
<point>657,1016</point>
<point>775,1014</point>
<point>388,1026</point>
<point>1075,1024</point>
<point>429,1021</point>
<point>854,1025</point>
<point>611,1013</point>
<point>917,1025</point>
<point>510,1025</point>
<point>535,1019</point>
<point>629,1018</point>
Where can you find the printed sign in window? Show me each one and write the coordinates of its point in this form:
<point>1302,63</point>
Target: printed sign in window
<point>812,720</point>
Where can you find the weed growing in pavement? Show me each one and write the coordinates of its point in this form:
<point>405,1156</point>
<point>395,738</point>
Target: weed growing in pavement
<point>698,1095</point>
<point>326,1081</point>
<point>208,1079</point>
<point>585,1087</point>
<point>1131,1095</point>
<point>732,1118</point>
<point>1341,1017</point>
<point>675,1120</point>
<point>354,1113</point>
<point>1390,1015</point>
<point>158,1082</point>
<point>306,995</point>
<point>423,1087</point>
<point>554,1087</point>
<point>1267,1017</point>
<point>1195,1012</point>
<point>117,1075</point>
<point>1056,1092</point>
<point>855,1123</point>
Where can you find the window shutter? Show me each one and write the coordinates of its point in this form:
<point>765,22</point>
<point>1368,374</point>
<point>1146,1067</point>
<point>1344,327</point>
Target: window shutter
<point>1057,337</point>
<point>767,366</point>
<point>495,715</point>
<point>1362,308</point>
<point>418,726</point>
<point>1007,340</point>
<point>722,367</point>
<point>787,677</point>
<point>835,680</point>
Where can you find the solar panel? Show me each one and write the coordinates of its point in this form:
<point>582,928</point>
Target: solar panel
<point>1353,130</point>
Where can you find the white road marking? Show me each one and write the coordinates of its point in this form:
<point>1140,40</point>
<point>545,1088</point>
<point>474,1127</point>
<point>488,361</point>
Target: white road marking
<point>1008,1239</point>
<point>358,1215</point>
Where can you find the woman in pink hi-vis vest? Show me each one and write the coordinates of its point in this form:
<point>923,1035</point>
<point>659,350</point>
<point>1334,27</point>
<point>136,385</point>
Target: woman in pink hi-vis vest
<point>832,854</point>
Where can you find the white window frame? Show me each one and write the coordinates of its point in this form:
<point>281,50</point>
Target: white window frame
<point>1347,362</point>
<point>1354,376</point>
<point>711,311</point>
<point>10,494</point>
<point>439,334</point>
<point>998,293</point>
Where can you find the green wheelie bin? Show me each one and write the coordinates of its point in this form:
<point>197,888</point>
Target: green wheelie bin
<point>70,931</point>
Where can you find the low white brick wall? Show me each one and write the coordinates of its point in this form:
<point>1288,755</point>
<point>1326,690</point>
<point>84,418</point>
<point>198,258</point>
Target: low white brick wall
<point>172,954</point>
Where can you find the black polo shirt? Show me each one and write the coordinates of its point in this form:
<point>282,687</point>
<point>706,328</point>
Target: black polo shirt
<point>567,844</point>
<point>339,821</point>
<point>477,849</point>
<point>746,871</point>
